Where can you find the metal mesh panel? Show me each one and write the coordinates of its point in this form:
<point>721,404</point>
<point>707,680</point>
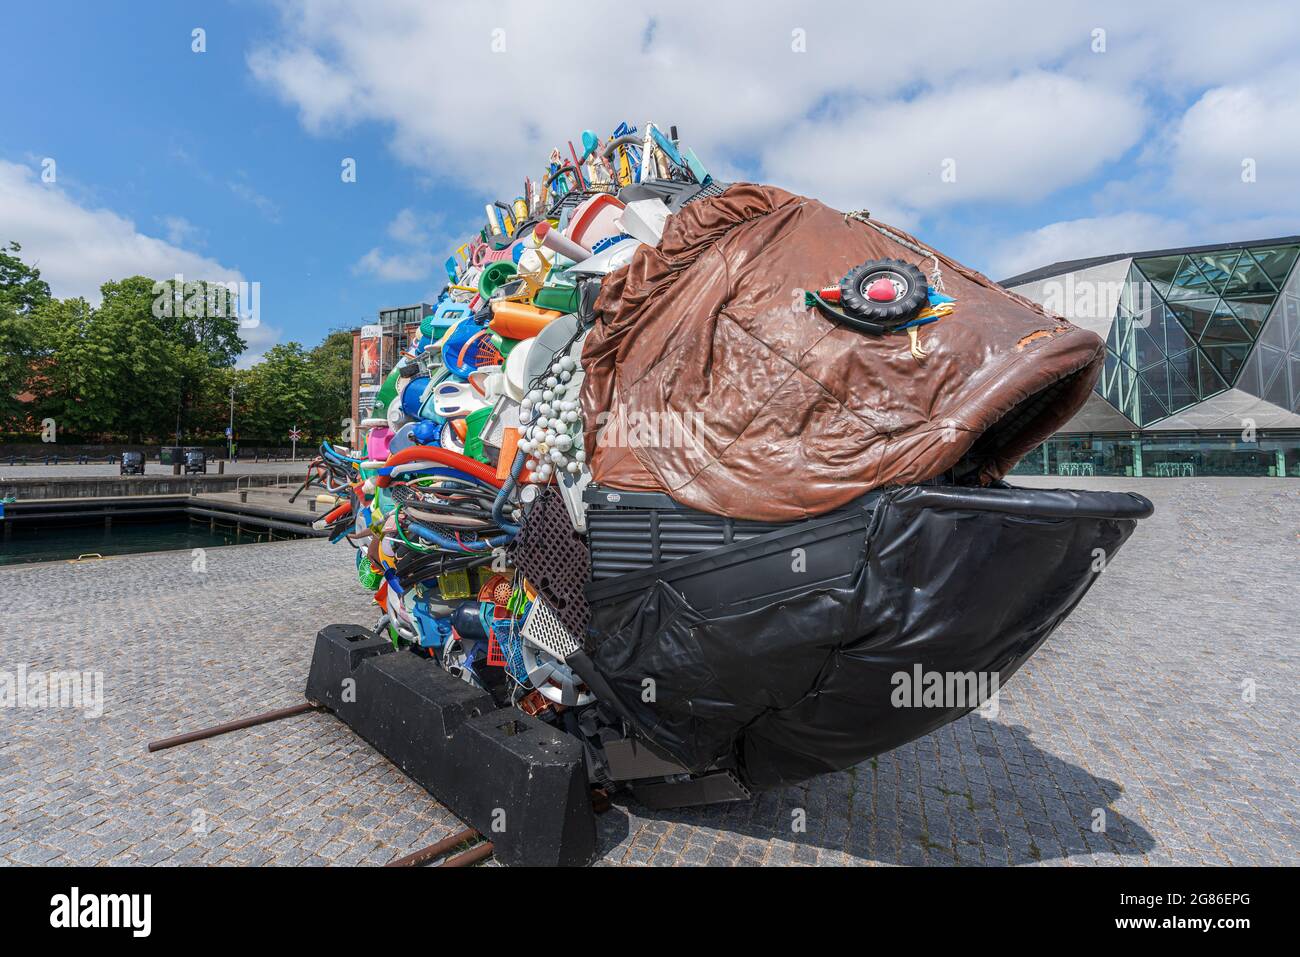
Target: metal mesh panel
<point>545,630</point>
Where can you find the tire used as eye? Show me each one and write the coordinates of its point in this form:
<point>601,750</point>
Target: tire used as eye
<point>911,299</point>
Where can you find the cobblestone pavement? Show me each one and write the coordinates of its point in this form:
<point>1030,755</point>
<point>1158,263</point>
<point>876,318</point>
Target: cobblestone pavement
<point>1136,715</point>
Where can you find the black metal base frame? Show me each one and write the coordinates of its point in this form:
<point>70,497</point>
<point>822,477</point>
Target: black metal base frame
<point>517,780</point>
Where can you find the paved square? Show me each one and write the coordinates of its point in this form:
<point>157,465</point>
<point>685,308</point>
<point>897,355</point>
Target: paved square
<point>1163,711</point>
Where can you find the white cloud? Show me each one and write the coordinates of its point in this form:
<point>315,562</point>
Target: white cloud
<point>78,248</point>
<point>1231,126</point>
<point>421,234</point>
<point>1082,238</point>
<point>1176,47</point>
<point>410,228</point>
<point>395,267</point>
<point>324,96</point>
<point>263,204</point>
<point>259,338</point>
<point>457,108</point>
<point>180,230</point>
<point>1019,95</point>
<point>1003,84</point>
<point>1127,232</point>
<point>1013,141</point>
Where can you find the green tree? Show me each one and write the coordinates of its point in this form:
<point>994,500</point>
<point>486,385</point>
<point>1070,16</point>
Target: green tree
<point>22,293</point>
<point>201,315</point>
<point>21,287</point>
<point>280,392</point>
<point>331,365</point>
<point>169,346</point>
<point>155,359</point>
<point>106,370</point>
<point>210,409</point>
<point>17,350</point>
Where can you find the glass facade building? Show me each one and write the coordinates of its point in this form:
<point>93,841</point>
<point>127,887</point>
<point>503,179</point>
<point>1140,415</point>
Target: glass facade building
<point>1202,369</point>
<point>1166,455</point>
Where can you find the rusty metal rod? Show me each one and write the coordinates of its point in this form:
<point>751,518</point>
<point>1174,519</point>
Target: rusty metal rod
<point>238,725</point>
<point>426,854</point>
<point>599,801</point>
<point>475,854</point>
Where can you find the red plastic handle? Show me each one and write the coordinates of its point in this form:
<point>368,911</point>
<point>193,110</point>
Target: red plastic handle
<point>431,453</point>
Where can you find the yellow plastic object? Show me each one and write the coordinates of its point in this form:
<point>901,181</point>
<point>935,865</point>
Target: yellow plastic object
<point>483,574</point>
<point>455,585</point>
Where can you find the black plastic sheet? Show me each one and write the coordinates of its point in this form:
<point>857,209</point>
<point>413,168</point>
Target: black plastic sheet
<point>953,580</point>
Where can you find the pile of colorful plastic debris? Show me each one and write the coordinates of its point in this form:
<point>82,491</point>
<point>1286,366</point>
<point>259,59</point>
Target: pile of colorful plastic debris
<point>715,590</point>
<point>483,410</point>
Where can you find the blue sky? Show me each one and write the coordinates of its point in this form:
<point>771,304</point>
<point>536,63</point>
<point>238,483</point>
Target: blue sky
<point>194,151</point>
<point>227,162</point>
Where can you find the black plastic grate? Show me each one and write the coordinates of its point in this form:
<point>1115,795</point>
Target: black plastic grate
<point>709,190</point>
<point>555,560</point>
<point>631,539</point>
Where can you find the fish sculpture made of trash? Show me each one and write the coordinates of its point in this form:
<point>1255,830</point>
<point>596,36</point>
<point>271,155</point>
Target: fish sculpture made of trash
<point>711,476</point>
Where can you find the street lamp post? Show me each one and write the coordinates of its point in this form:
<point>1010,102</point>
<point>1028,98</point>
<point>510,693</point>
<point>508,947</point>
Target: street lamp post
<point>230,432</point>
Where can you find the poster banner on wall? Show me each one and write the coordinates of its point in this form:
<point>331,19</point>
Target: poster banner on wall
<point>366,400</point>
<point>370,355</point>
<point>392,345</point>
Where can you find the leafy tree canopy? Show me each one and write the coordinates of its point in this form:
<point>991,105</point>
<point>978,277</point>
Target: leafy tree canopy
<point>21,286</point>
<point>155,361</point>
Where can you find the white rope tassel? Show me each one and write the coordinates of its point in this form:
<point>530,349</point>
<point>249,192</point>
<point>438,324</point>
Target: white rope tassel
<point>936,277</point>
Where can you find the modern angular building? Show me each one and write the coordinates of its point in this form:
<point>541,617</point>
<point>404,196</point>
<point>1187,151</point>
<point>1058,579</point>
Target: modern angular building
<point>1202,373</point>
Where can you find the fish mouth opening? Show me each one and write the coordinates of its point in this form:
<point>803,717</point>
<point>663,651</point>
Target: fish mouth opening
<point>1023,427</point>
